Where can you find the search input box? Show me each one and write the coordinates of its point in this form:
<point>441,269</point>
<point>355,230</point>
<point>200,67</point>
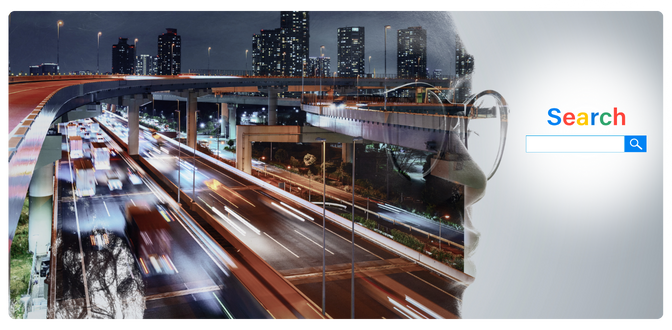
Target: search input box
<point>585,143</point>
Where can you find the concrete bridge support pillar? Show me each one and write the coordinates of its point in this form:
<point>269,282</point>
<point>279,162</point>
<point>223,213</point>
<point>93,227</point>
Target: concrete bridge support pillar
<point>272,107</point>
<point>192,96</point>
<point>133,123</point>
<point>40,201</point>
<point>232,124</point>
<point>224,117</point>
<point>192,126</point>
<point>272,93</point>
<point>346,152</point>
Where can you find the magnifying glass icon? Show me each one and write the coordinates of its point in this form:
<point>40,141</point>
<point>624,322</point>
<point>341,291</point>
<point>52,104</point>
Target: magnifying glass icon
<point>635,144</point>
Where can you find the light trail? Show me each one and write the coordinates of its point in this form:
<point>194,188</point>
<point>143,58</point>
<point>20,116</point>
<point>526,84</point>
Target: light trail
<point>287,211</point>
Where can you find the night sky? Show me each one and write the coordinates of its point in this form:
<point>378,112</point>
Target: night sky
<point>32,36</point>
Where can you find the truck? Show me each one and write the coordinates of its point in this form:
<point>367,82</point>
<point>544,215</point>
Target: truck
<point>101,155</point>
<point>73,129</point>
<point>76,147</point>
<point>149,238</point>
<point>85,179</point>
<point>95,127</point>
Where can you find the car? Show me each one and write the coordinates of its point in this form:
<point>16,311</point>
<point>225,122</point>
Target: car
<point>100,137</point>
<point>113,181</point>
<point>133,176</point>
<point>87,135</point>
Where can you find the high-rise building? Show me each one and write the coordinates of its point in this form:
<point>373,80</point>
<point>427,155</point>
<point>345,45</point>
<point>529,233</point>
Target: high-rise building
<point>169,58</point>
<point>294,41</point>
<point>464,67</point>
<point>282,51</point>
<point>123,57</point>
<point>351,51</point>
<point>145,65</point>
<point>412,52</point>
<point>437,74</point>
<point>318,67</point>
<point>266,54</point>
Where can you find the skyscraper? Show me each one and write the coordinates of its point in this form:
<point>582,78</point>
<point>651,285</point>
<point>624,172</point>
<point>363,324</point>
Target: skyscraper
<point>351,51</point>
<point>318,66</point>
<point>412,52</point>
<point>282,51</point>
<point>169,58</point>
<point>266,54</point>
<point>295,38</point>
<point>123,57</point>
<point>145,65</point>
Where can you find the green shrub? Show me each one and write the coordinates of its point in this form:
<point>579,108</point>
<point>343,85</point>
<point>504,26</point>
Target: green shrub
<point>370,224</point>
<point>456,261</point>
<point>407,240</point>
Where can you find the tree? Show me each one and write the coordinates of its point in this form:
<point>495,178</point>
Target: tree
<point>309,159</point>
<point>404,159</point>
<point>230,143</point>
<point>210,126</point>
<point>281,155</point>
<point>294,162</point>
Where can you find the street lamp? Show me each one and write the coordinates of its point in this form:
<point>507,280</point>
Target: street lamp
<point>369,63</point>
<point>58,42</point>
<point>352,288</point>
<point>324,222</point>
<point>193,181</point>
<point>135,49</point>
<point>385,78</point>
<point>171,58</point>
<point>321,69</point>
<point>209,60</point>
<point>179,151</point>
<point>98,58</point>
<point>246,62</point>
<point>289,168</point>
<point>440,222</point>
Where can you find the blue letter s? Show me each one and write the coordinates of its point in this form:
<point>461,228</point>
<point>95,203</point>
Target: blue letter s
<point>550,114</point>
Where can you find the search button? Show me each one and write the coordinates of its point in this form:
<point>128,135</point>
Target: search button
<point>635,143</point>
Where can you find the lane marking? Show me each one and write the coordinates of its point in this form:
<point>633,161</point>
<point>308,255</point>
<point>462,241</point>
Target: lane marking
<point>357,245</point>
<point>304,236</point>
<point>281,245</point>
<point>133,202</point>
<point>108,211</point>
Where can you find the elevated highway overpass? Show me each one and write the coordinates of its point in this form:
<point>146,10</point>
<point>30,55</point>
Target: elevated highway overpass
<point>36,102</point>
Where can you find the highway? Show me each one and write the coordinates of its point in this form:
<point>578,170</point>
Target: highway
<point>199,288</point>
<point>391,212</point>
<point>387,285</point>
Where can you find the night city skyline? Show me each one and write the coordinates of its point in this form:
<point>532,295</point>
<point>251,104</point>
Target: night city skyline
<point>33,37</point>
